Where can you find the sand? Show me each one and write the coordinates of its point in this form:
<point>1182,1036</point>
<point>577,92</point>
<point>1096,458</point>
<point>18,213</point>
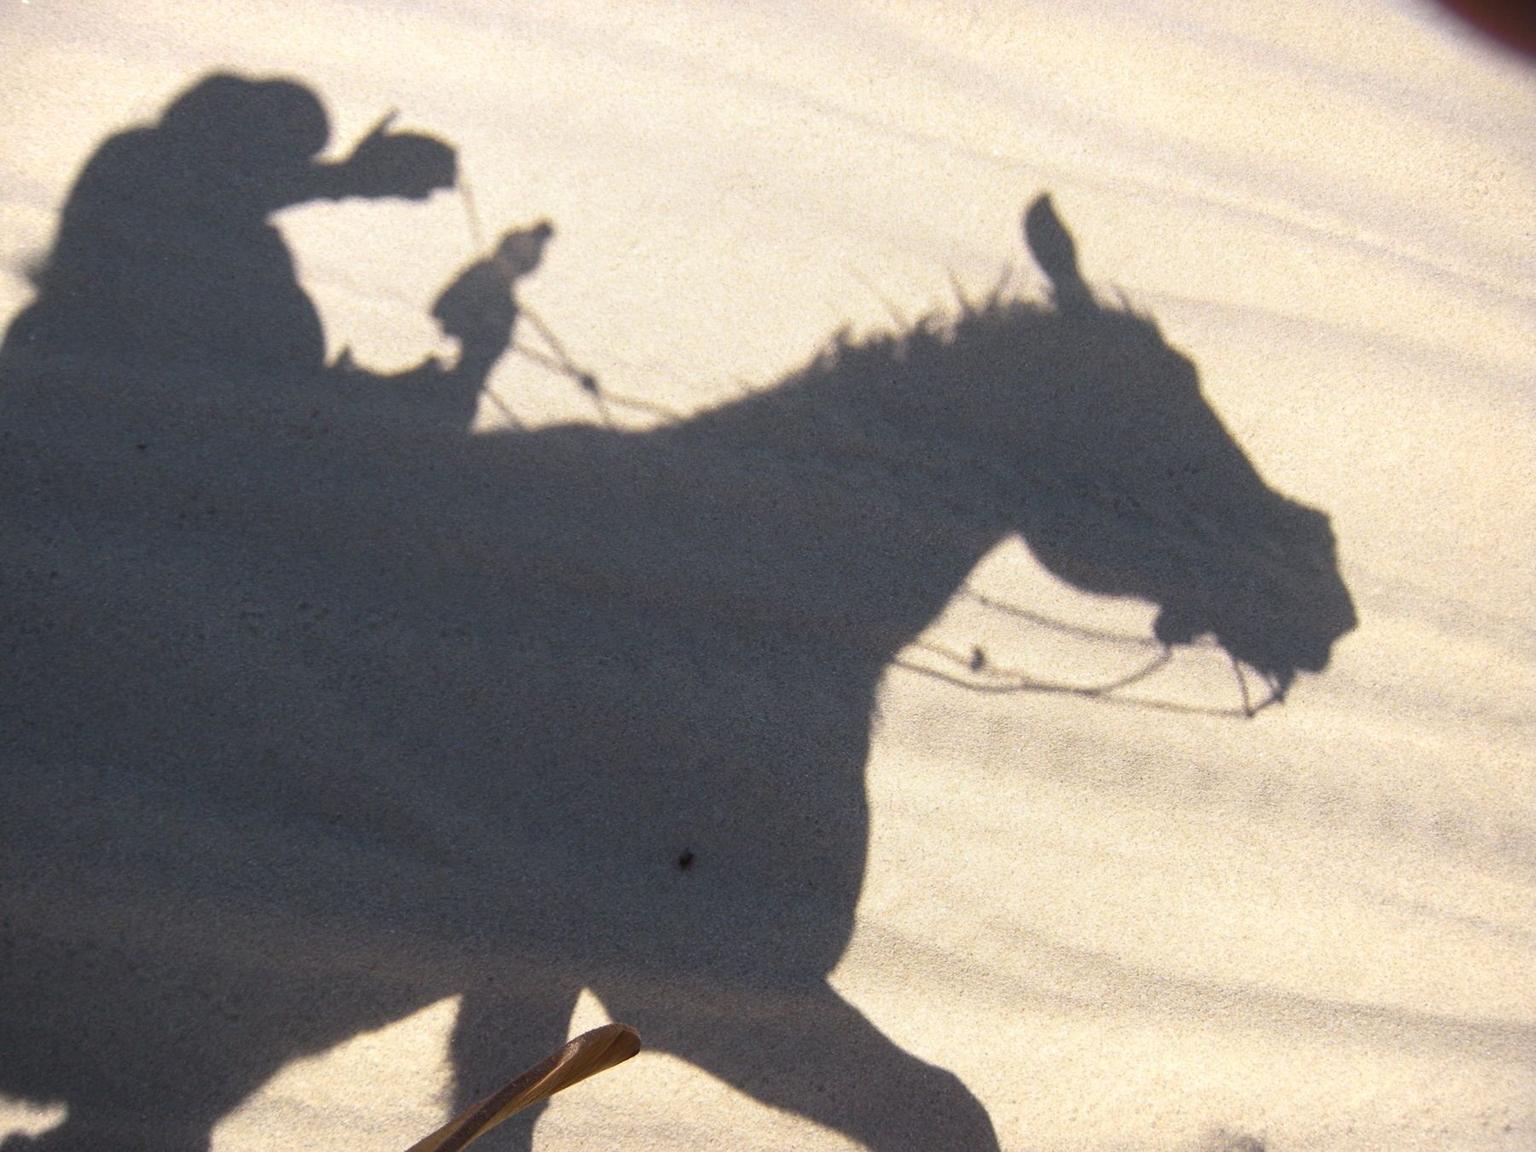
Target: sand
<point>1120,924</point>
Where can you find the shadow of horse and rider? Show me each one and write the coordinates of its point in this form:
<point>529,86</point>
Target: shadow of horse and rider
<point>320,708</point>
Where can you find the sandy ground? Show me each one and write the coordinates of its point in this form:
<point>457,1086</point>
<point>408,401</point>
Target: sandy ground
<point>1120,927</point>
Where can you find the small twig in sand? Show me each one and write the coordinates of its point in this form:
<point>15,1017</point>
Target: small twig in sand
<point>590,1053</point>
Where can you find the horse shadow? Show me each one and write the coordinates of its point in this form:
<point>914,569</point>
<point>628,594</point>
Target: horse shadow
<point>319,710</point>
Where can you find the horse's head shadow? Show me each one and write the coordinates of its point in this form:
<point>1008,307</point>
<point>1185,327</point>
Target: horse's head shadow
<point>1080,428</point>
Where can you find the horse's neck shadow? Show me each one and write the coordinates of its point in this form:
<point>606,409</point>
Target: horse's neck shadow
<point>854,496</point>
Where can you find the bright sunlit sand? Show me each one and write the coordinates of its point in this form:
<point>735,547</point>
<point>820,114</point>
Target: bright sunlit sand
<point>1121,913</point>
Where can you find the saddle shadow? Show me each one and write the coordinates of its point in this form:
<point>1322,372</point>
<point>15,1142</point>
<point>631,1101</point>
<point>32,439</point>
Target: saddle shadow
<point>321,709</point>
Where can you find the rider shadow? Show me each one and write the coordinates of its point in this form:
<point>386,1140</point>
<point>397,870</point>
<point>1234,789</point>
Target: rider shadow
<point>166,253</point>
<point>323,709</point>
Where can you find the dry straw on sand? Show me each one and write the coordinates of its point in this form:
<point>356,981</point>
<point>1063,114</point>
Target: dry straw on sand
<point>588,1054</point>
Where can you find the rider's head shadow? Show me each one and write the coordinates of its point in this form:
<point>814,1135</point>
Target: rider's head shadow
<point>245,147</point>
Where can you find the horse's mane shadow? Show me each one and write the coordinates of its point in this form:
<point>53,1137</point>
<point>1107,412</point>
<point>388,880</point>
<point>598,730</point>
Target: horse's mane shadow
<point>317,716</point>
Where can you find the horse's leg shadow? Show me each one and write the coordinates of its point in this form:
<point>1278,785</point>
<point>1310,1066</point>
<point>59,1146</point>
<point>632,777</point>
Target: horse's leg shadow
<point>500,1032</point>
<point>806,1050</point>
